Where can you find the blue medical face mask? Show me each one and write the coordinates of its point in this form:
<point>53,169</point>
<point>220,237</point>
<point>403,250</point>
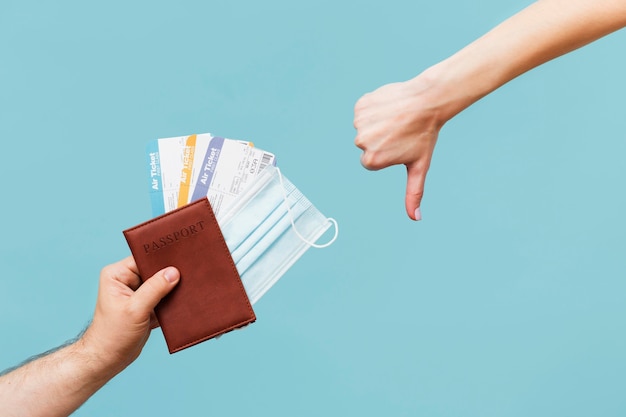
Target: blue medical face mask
<point>268,228</point>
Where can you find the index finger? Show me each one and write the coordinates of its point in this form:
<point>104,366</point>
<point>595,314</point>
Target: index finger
<point>125,272</point>
<point>129,262</point>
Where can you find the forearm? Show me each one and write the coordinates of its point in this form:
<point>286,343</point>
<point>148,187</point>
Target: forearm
<point>541,32</point>
<point>58,383</point>
<point>55,384</point>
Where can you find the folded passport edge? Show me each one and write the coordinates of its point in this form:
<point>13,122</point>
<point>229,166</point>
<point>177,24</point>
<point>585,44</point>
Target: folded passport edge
<point>210,298</point>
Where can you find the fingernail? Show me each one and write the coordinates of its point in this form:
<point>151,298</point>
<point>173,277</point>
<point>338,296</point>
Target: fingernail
<point>170,274</point>
<point>418,214</point>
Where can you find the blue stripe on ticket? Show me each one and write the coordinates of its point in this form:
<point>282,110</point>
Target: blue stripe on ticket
<point>208,168</point>
<point>154,173</point>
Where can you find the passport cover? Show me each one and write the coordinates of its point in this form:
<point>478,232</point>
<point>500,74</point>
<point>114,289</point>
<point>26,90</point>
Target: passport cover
<point>210,298</point>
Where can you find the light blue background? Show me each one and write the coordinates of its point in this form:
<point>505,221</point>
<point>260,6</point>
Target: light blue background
<point>508,299</point>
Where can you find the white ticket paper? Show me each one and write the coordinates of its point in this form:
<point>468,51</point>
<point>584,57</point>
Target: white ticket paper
<point>183,169</point>
<point>226,168</point>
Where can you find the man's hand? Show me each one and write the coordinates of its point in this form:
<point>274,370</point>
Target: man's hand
<point>57,383</point>
<point>124,312</point>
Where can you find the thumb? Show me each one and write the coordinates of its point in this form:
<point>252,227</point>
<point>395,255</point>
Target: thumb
<point>414,191</point>
<point>155,288</point>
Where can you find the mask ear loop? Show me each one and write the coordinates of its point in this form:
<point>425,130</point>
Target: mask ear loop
<point>293,224</point>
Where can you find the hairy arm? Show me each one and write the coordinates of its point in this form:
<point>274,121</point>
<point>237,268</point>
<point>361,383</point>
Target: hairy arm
<point>399,123</point>
<point>54,384</point>
<point>57,383</point>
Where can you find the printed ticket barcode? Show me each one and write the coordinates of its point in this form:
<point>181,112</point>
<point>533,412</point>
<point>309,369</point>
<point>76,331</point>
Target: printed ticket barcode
<point>267,158</point>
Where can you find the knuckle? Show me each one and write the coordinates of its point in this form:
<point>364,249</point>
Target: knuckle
<point>371,161</point>
<point>153,285</point>
<point>135,311</point>
<point>359,141</point>
<point>360,103</point>
<point>358,120</point>
<point>417,194</point>
<point>105,271</point>
<point>108,272</point>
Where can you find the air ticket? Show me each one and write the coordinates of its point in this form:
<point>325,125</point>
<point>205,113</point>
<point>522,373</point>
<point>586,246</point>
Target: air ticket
<point>165,162</point>
<point>185,168</point>
<point>225,170</point>
<point>191,165</point>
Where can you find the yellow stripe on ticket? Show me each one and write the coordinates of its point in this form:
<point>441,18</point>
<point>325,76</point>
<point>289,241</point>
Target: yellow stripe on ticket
<point>185,175</point>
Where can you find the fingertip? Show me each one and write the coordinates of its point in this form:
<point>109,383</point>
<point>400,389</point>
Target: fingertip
<point>414,214</point>
<point>418,215</point>
<point>148,295</point>
<point>413,208</point>
<point>414,191</point>
<point>171,274</point>
<point>412,205</point>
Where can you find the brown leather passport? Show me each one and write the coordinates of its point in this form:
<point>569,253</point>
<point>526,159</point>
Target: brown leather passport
<point>210,299</point>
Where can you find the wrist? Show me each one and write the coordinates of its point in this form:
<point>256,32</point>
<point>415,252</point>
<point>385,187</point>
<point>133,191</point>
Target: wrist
<point>102,364</point>
<point>451,88</point>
